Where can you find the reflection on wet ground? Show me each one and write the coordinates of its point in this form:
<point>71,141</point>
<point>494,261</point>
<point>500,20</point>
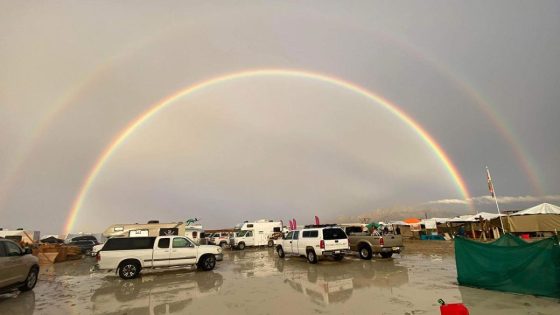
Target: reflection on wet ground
<point>256,281</point>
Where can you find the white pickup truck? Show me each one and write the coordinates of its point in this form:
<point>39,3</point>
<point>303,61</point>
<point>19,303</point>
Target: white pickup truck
<point>129,255</point>
<point>314,241</point>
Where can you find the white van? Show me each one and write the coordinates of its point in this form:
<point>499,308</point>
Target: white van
<point>257,233</point>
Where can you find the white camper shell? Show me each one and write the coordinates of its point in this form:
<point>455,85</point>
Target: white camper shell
<point>155,229</point>
<point>257,233</point>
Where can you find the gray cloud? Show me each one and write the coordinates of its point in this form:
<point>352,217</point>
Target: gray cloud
<point>75,74</point>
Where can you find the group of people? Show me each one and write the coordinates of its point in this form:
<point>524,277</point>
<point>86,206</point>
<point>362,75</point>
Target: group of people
<point>380,232</point>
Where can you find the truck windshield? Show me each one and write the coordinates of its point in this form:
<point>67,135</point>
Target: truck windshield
<point>334,234</point>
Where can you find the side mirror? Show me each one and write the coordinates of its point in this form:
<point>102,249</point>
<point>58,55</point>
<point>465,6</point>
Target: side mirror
<point>27,251</point>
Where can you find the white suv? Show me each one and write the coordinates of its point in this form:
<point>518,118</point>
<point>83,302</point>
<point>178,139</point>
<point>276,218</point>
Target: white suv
<point>314,241</point>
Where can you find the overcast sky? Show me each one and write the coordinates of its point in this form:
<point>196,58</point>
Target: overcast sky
<point>481,77</point>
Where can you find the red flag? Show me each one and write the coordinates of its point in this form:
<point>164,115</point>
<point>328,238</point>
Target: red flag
<point>291,225</point>
<point>316,220</point>
<point>490,185</point>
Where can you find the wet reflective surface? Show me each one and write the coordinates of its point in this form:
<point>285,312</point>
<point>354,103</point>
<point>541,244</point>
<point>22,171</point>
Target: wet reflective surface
<point>256,281</point>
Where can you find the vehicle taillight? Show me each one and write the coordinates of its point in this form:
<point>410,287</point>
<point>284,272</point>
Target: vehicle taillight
<point>98,256</point>
<point>322,244</point>
<point>381,242</point>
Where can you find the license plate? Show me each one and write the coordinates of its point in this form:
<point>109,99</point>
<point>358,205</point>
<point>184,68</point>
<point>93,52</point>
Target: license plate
<point>337,252</point>
<point>396,248</point>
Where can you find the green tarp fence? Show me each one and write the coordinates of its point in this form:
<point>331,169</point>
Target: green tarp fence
<point>510,264</point>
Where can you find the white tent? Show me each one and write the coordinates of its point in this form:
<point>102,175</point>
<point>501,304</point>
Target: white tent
<point>474,217</point>
<point>543,208</point>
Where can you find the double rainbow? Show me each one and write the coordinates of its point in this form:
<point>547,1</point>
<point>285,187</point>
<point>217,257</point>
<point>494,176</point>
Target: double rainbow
<point>121,137</point>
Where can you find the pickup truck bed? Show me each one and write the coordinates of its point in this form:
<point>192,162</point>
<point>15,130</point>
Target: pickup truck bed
<point>367,245</point>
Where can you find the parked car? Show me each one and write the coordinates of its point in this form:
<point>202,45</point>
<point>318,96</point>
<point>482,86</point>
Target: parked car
<point>314,242</point>
<point>85,246</point>
<point>221,239</point>
<point>18,268</point>
<point>129,255</point>
<point>367,245</point>
<point>86,238</point>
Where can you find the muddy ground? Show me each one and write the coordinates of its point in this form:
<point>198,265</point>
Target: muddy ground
<point>256,281</point>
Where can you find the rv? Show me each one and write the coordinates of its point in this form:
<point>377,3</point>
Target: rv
<point>154,228</point>
<point>257,233</point>
<point>21,236</point>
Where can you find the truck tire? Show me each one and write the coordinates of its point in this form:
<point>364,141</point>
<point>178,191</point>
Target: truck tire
<point>365,252</point>
<point>280,252</point>
<point>129,269</point>
<point>270,243</point>
<point>311,256</point>
<point>241,246</point>
<point>31,279</point>
<point>207,262</point>
<point>386,254</point>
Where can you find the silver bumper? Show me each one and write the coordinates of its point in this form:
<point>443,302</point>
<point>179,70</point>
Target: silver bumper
<point>336,252</point>
<point>219,257</point>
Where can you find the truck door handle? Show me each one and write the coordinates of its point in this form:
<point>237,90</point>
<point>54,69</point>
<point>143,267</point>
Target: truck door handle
<point>290,242</point>
<point>336,241</point>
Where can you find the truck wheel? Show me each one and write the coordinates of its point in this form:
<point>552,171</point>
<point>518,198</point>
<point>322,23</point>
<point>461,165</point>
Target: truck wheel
<point>280,251</point>
<point>241,246</point>
<point>311,256</point>
<point>270,243</point>
<point>129,269</point>
<point>207,262</point>
<point>31,279</point>
<point>338,257</point>
<point>223,245</point>
<point>365,252</point>
<point>386,254</point>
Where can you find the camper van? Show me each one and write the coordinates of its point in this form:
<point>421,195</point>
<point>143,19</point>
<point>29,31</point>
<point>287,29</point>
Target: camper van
<point>257,233</point>
<point>154,228</point>
<point>21,236</point>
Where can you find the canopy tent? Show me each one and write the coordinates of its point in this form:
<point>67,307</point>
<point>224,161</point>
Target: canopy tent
<point>543,208</point>
<point>475,217</point>
<point>510,264</point>
<point>52,239</point>
<point>542,218</point>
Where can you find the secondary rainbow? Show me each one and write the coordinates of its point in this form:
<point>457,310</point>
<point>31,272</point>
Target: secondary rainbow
<point>154,109</point>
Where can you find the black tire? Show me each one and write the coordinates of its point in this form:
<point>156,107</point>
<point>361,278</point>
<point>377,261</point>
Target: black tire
<point>241,246</point>
<point>207,262</point>
<point>311,256</point>
<point>223,245</point>
<point>31,279</point>
<point>280,252</point>
<point>129,269</point>
<point>365,252</point>
<point>338,257</point>
<point>270,243</point>
<point>386,254</point>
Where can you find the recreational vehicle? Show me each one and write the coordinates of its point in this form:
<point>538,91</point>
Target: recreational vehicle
<point>257,233</point>
<point>154,228</point>
<point>21,236</point>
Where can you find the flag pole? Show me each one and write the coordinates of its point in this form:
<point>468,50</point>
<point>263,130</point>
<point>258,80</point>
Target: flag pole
<point>493,192</point>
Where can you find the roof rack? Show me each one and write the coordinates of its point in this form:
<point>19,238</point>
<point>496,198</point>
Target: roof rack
<point>318,225</point>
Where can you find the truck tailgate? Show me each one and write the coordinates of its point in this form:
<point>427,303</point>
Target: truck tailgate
<point>391,240</point>
<point>339,244</point>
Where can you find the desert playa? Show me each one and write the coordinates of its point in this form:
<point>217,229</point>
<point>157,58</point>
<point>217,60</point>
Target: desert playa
<point>256,281</point>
